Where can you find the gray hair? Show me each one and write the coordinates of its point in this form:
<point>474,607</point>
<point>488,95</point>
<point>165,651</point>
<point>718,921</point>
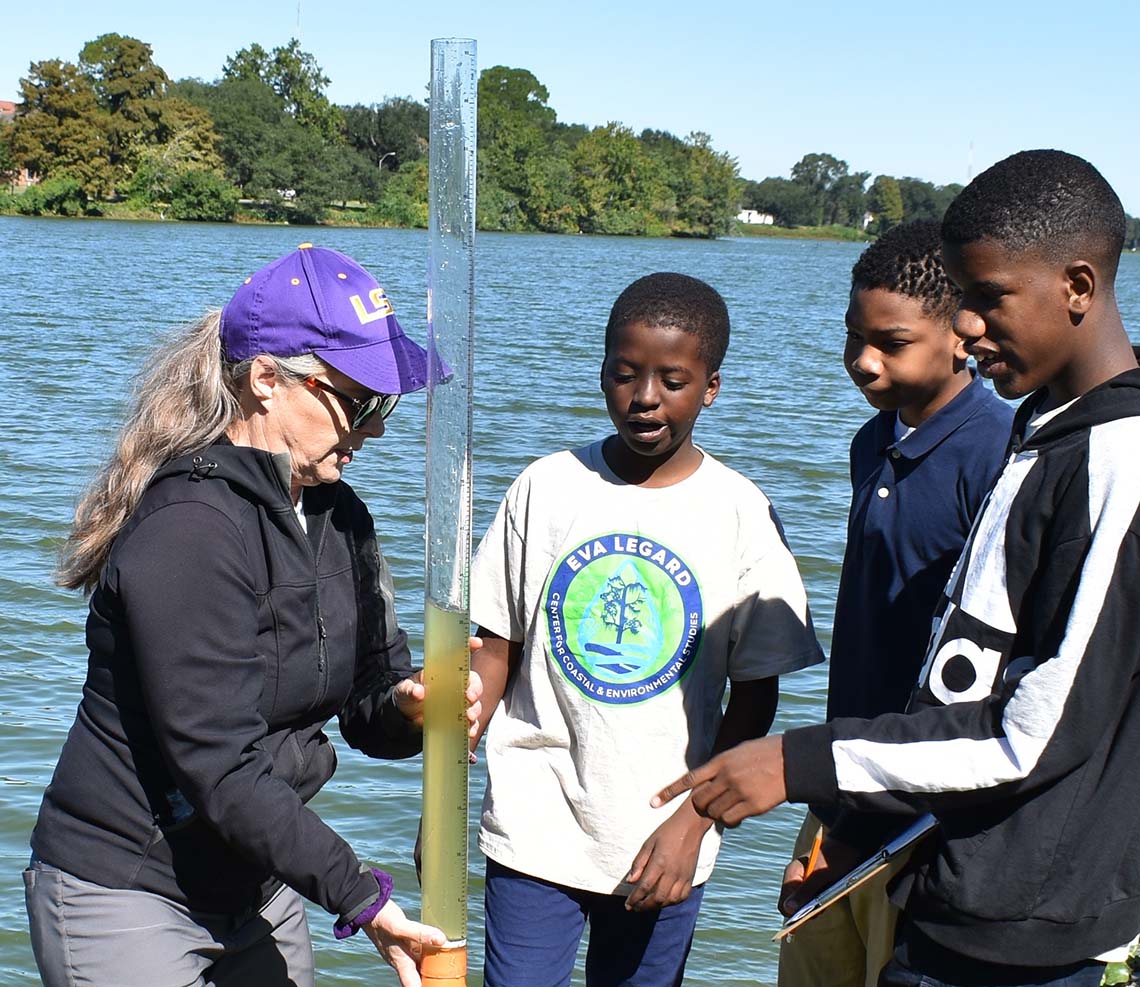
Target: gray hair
<point>185,398</point>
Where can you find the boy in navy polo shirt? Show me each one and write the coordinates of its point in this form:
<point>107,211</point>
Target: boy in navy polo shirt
<point>919,472</point>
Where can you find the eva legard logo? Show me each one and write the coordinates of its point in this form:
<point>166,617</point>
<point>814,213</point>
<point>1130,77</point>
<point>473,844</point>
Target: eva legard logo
<point>624,618</point>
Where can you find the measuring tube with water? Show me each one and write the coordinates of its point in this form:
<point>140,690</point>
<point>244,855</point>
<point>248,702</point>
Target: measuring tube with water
<point>447,658</point>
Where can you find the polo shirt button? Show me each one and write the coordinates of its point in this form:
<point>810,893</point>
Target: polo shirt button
<point>895,454</point>
<point>883,493</point>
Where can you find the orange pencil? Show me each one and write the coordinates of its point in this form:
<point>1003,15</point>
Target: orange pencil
<point>813,856</point>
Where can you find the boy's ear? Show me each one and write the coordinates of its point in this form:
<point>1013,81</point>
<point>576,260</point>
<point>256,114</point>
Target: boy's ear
<point>712,389</point>
<point>960,354</point>
<point>1080,283</point>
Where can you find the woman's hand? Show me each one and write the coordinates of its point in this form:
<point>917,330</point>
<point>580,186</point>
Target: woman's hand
<point>401,941</point>
<point>410,692</point>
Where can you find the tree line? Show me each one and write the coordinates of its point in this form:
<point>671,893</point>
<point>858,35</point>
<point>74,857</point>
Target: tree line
<point>264,138</point>
<point>114,126</point>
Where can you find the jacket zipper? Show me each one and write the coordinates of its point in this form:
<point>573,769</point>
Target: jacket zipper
<point>322,634</point>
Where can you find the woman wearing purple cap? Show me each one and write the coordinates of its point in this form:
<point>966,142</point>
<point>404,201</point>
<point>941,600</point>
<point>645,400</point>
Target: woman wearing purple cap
<point>239,600</point>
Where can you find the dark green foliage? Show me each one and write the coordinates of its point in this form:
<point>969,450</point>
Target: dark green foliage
<point>836,196</point>
<point>885,203</point>
<point>618,187</point>
<point>115,123</point>
<point>923,200</point>
<point>703,183</point>
<point>403,199</point>
<point>129,87</point>
<point>61,195</point>
<point>296,79</point>
<point>388,134</point>
<point>9,166</point>
<point>60,127</point>
<point>789,203</point>
<point>1131,233</point>
<point>199,195</point>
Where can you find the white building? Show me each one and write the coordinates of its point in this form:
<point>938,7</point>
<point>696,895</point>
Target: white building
<point>754,218</point>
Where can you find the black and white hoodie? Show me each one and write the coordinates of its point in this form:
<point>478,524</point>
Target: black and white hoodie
<point>1023,733</point>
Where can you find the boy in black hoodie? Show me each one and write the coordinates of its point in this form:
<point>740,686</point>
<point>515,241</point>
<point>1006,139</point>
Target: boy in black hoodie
<point>1024,731</point>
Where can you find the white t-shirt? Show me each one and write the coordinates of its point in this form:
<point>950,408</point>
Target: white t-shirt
<point>634,607</point>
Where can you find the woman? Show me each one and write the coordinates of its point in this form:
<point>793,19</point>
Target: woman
<point>239,599</point>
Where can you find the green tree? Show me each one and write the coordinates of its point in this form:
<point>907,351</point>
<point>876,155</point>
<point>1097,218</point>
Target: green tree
<point>846,201</point>
<point>885,203</point>
<point>515,127</point>
<point>248,63</point>
<point>188,143</point>
<point>257,135</point>
<point>201,195</point>
<point>60,195</point>
<point>708,195</point>
<point>789,203</point>
<point>9,167</point>
<point>404,197</point>
<point>130,87</point>
<point>550,204</point>
<point>60,129</point>
<point>1131,233</point>
<point>296,78</point>
<point>387,134</point>
<point>618,187</point>
<point>819,174</point>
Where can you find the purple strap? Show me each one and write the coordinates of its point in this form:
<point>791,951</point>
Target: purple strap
<point>342,930</point>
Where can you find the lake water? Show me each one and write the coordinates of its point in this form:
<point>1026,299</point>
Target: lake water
<point>82,302</point>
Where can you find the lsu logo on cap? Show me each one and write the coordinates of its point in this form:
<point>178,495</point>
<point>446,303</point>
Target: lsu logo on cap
<point>381,307</point>
<point>624,618</point>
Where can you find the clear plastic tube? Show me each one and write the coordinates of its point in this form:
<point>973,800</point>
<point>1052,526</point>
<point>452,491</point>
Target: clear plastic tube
<point>451,312</point>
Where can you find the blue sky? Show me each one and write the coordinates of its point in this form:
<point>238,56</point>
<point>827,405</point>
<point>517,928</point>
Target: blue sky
<point>929,90</point>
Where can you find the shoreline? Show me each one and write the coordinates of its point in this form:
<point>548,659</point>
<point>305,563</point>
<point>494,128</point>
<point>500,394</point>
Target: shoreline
<point>343,220</point>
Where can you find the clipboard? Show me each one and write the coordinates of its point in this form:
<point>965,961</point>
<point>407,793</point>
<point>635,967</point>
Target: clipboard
<point>873,865</point>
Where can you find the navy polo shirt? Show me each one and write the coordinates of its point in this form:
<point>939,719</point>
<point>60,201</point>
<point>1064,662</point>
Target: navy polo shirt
<point>912,505</point>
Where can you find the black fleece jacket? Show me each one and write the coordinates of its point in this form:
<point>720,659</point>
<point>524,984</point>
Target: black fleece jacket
<point>222,638</point>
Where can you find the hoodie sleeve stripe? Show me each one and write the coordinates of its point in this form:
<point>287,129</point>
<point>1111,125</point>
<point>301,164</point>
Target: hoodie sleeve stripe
<point>1001,735</point>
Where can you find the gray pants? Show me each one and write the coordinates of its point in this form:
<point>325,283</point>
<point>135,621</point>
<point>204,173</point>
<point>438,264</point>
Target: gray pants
<point>84,935</point>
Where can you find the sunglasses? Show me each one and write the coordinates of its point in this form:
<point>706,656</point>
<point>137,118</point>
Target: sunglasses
<point>360,409</point>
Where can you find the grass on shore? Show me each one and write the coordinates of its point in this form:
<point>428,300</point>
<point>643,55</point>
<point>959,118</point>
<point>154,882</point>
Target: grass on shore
<point>832,232</point>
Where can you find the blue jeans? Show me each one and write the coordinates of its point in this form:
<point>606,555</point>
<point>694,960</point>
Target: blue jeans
<point>533,928</point>
<point>920,962</point>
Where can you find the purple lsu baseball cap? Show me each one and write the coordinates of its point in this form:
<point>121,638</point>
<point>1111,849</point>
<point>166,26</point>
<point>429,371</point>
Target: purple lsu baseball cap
<point>319,301</point>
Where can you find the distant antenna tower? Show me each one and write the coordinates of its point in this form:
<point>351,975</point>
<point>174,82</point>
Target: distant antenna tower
<point>298,20</point>
<point>969,160</point>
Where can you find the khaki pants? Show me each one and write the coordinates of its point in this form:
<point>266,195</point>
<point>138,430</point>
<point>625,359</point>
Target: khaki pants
<point>848,944</point>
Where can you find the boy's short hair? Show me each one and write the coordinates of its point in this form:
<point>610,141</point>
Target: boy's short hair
<point>907,260</point>
<point>675,301</point>
<point>1048,201</point>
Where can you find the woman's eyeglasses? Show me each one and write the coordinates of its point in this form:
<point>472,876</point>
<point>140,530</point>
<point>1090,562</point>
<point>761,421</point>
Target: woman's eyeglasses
<point>360,409</point>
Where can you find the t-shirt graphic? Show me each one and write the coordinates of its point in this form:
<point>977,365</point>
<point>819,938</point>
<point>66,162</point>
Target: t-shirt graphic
<point>633,607</point>
<point>624,617</point>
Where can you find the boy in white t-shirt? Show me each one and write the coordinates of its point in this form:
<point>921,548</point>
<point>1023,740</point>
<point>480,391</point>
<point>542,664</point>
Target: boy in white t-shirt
<point>617,590</point>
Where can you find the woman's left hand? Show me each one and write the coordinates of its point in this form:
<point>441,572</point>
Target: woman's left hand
<point>410,692</point>
<point>401,941</point>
